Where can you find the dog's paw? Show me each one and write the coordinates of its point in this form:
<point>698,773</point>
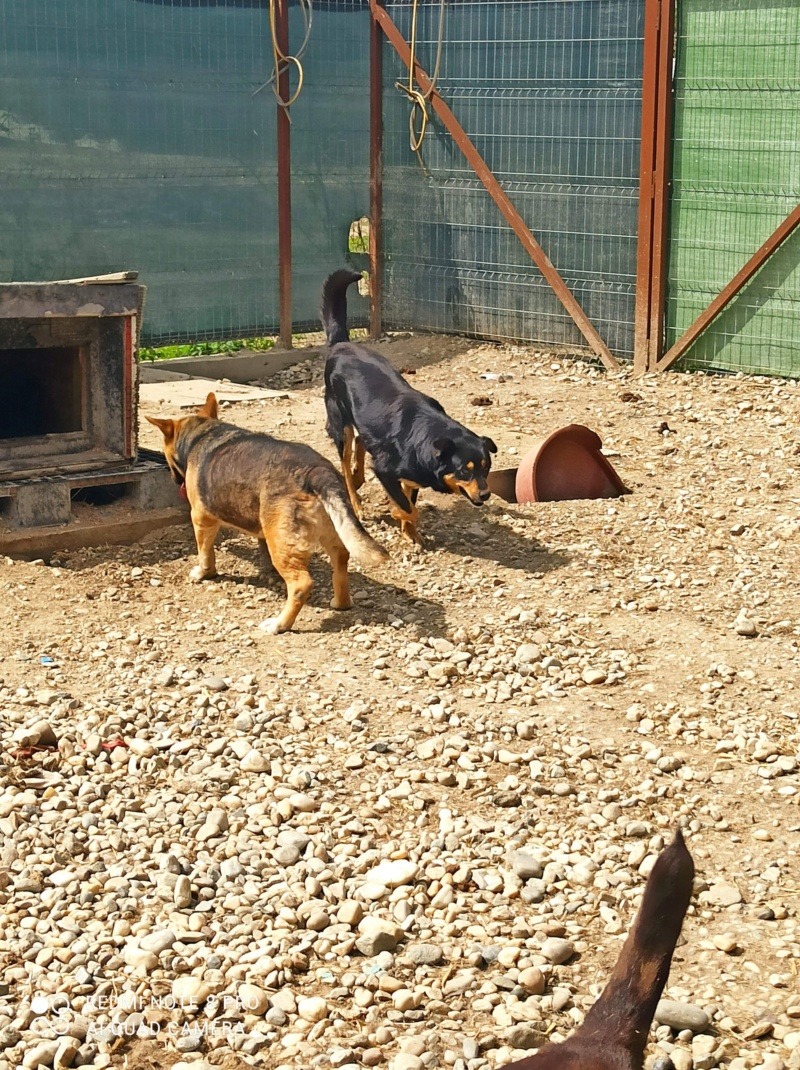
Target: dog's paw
<point>336,604</point>
<point>198,574</point>
<point>272,625</point>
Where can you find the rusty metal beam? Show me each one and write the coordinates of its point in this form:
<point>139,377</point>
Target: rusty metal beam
<point>739,280</point>
<point>284,180</point>
<point>496,192</point>
<point>647,162</point>
<point>375,179</point>
<point>661,181</point>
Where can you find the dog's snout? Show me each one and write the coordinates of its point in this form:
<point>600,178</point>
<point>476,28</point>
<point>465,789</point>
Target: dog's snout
<point>486,495</point>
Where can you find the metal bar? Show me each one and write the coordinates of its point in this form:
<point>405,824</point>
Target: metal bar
<point>743,276</point>
<point>647,155</point>
<point>115,276</point>
<point>496,192</point>
<point>284,181</point>
<point>661,183</point>
<point>128,399</point>
<point>375,179</point>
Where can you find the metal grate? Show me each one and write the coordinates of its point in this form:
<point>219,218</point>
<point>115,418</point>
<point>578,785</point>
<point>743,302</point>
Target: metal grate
<point>736,177</point>
<point>550,93</point>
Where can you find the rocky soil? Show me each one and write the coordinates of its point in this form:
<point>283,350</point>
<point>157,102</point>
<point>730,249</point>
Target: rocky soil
<point>415,834</point>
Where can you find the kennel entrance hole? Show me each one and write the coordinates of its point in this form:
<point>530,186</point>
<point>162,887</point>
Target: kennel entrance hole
<point>42,391</point>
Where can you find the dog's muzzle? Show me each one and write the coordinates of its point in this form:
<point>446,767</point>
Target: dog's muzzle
<point>483,496</point>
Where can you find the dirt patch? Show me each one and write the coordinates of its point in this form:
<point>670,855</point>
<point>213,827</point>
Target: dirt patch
<point>570,678</point>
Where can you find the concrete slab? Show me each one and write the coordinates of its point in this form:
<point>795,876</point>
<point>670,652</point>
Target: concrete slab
<point>88,509</point>
<point>190,393</point>
<point>242,367</point>
<point>126,528</point>
<point>156,373</point>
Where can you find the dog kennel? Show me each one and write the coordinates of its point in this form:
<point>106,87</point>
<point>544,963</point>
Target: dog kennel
<point>68,435</point>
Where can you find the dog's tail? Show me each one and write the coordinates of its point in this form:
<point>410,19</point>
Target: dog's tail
<point>362,546</point>
<point>333,309</point>
<point>622,1015</point>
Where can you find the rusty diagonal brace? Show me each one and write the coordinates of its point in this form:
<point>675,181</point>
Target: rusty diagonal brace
<point>496,192</point>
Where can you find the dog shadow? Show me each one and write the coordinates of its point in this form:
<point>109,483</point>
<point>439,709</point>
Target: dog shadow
<point>374,602</point>
<point>461,529</point>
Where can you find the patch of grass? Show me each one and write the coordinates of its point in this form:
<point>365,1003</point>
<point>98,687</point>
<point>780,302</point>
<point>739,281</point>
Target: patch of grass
<point>204,349</point>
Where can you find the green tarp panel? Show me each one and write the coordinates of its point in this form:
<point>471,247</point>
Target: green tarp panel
<point>736,177</point>
<point>131,138</point>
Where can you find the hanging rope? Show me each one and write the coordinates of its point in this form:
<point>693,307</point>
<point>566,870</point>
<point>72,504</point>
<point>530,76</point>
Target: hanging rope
<point>419,100</point>
<point>280,59</point>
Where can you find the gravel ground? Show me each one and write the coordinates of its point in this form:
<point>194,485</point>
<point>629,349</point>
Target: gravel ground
<point>416,834</point>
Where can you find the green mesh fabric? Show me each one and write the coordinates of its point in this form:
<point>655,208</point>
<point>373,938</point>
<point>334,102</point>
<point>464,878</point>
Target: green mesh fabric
<point>736,177</point>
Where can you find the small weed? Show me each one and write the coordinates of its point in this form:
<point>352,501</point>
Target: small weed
<point>358,238</point>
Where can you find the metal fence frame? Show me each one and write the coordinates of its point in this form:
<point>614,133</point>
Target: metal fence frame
<point>653,226</point>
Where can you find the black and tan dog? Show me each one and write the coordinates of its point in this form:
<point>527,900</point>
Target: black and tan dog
<point>614,1032</point>
<point>284,493</point>
<point>371,409</point>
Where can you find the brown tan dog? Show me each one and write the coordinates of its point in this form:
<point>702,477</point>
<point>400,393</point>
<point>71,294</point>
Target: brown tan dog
<point>614,1033</point>
<point>284,493</point>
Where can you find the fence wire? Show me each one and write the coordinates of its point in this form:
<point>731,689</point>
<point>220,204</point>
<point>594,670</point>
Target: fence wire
<point>736,177</point>
<point>549,91</point>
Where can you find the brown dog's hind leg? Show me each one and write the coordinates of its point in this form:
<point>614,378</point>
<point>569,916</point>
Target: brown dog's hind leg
<point>205,527</point>
<point>290,552</point>
<point>347,469</point>
<point>337,552</point>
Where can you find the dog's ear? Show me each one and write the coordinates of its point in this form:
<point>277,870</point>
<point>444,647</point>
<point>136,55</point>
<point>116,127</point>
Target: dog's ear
<point>166,427</point>
<point>209,410</point>
<point>489,444</point>
<point>443,446</point>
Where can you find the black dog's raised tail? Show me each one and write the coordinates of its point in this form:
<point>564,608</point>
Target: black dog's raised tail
<point>625,1009</point>
<point>333,310</point>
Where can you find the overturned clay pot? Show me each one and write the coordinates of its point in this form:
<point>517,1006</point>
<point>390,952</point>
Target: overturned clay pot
<point>565,465</point>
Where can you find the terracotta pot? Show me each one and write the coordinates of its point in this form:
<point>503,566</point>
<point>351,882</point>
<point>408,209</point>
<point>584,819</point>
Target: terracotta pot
<point>565,465</point>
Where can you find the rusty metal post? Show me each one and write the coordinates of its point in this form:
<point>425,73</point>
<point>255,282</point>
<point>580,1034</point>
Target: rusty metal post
<point>375,177</point>
<point>655,157</point>
<point>284,180</point>
<point>661,190</point>
<point>647,157</point>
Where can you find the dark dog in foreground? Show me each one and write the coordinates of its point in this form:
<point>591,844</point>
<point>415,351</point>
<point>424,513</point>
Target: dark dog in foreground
<point>371,409</point>
<point>614,1032</point>
<point>285,494</point>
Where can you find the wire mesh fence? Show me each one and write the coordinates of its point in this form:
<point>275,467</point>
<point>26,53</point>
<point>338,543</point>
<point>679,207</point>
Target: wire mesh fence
<point>140,134</point>
<point>549,91</point>
<point>736,177</point>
